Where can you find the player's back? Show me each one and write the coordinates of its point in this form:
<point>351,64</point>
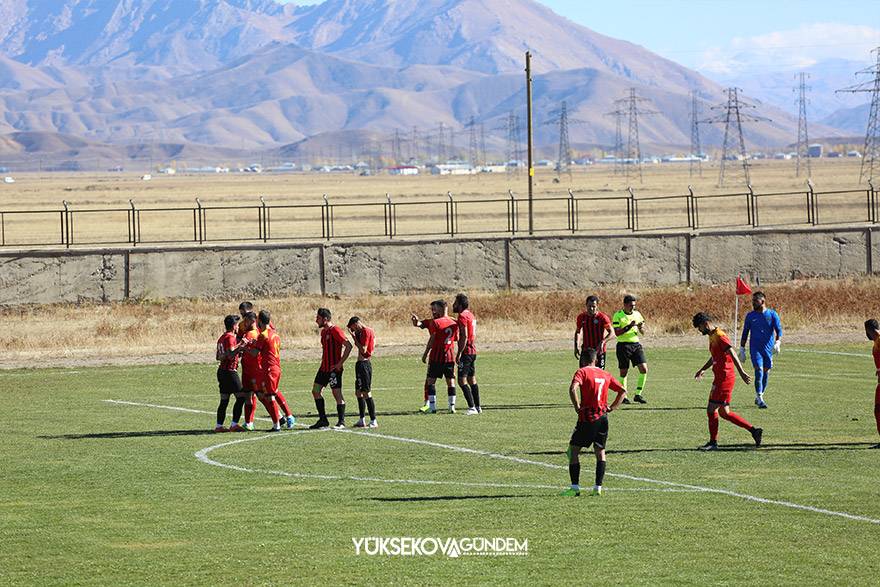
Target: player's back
<point>722,361</point>
<point>250,363</point>
<point>467,319</point>
<point>445,331</point>
<point>594,384</point>
<point>269,344</point>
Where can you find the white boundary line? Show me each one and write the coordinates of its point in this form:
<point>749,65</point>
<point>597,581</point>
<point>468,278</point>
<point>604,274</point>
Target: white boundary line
<point>839,353</point>
<point>668,484</point>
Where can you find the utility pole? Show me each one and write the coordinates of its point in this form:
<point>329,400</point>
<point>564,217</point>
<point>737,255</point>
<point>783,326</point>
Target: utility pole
<point>474,150</point>
<point>803,142</point>
<point>731,115</point>
<point>618,139</point>
<point>871,151</point>
<point>696,149</point>
<point>530,141</point>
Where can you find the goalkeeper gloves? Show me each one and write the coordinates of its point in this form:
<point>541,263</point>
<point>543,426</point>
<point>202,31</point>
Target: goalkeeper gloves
<point>777,346</point>
<point>742,353</point>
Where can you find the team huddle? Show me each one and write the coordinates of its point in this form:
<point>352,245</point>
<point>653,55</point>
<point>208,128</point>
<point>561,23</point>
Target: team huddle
<point>251,339</point>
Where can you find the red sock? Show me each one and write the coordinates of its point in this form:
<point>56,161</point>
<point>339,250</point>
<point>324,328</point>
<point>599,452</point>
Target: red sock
<point>735,418</point>
<point>251,408</point>
<point>279,397</point>
<point>713,425</point>
<point>273,409</point>
<point>877,407</point>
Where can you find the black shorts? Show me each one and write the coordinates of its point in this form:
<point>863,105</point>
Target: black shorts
<point>331,379</point>
<point>630,353</point>
<point>600,360</point>
<point>590,433</point>
<point>229,382</point>
<point>363,376</point>
<point>467,367</point>
<point>441,370</point>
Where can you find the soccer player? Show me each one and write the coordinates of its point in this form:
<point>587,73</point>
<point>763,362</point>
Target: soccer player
<point>765,328</point>
<point>872,330</point>
<point>589,396</point>
<point>444,332</point>
<point>251,370</point>
<point>628,324</point>
<point>596,329</point>
<point>365,341</point>
<point>466,357</point>
<point>335,350</point>
<point>723,361</point>
<point>227,376</point>
<point>268,345</point>
<point>289,420</point>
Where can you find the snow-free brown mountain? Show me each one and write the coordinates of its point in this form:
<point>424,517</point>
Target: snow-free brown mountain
<point>255,74</point>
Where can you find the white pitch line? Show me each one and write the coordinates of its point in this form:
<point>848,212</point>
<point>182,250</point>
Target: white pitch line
<point>671,484</point>
<point>839,353</point>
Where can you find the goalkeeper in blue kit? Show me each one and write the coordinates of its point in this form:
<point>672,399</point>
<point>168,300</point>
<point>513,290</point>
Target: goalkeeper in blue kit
<point>765,328</point>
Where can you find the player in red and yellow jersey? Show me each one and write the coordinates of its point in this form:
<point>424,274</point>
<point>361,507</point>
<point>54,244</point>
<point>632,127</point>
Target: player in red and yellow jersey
<point>725,365</point>
<point>227,376</point>
<point>588,393</point>
<point>268,346</point>
<point>441,347</point>
<point>251,370</point>
<point>335,348</point>
<point>872,331</point>
<point>467,353</point>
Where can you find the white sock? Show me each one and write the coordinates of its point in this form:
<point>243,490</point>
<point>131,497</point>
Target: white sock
<point>597,488</point>
<point>451,401</point>
<point>432,401</point>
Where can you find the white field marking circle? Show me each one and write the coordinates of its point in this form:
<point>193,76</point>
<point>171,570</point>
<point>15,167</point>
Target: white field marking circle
<point>665,484</point>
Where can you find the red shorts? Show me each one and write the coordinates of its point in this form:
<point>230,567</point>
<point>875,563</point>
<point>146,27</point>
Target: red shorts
<point>251,382</point>
<point>721,392</point>
<point>269,382</point>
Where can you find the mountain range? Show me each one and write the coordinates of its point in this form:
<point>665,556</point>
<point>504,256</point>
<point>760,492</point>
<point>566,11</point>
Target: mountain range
<point>253,74</point>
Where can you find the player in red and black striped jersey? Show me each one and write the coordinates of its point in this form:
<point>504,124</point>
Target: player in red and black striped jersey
<point>594,329</point>
<point>365,341</point>
<point>441,348</point>
<point>227,376</point>
<point>467,353</point>
<point>589,396</point>
<point>872,331</point>
<point>335,348</point>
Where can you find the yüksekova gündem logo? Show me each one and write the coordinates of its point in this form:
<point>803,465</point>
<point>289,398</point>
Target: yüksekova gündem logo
<point>430,546</point>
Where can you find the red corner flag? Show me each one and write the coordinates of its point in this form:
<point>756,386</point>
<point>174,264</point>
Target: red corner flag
<point>742,288</point>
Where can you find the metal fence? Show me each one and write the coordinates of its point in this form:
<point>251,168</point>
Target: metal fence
<point>445,217</point>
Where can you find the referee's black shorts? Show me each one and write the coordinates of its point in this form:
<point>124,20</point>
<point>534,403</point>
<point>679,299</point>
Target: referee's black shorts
<point>630,353</point>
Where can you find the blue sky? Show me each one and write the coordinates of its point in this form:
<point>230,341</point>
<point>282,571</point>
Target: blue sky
<point>750,35</point>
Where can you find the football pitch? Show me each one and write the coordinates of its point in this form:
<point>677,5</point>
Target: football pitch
<point>113,476</point>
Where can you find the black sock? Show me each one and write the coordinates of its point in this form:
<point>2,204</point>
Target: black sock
<point>340,411</point>
<point>574,471</point>
<point>237,407</point>
<point>466,390</point>
<point>450,391</point>
<point>319,403</point>
<point>600,472</point>
<point>221,410</point>
<point>362,406</point>
<point>475,390</point>
<point>372,407</point>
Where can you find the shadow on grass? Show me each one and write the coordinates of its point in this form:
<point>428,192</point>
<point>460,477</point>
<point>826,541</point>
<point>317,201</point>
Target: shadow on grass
<point>138,434</point>
<point>794,446</point>
<point>445,498</point>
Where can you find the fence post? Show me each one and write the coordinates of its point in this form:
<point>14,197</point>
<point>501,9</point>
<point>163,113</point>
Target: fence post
<point>65,224</point>
<point>872,202</point>
<point>572,213</point>
<point>198,221</point>
<point>450,215</point>
<point>812,205</point>
<point>511,213</point>
<point>389,232</point>
<point>692,209</point>
<point>632,210</point>
<point>133,226</point>
<point>753,206</point>
<point>327,219</point>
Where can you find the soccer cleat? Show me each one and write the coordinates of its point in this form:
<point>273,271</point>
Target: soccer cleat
<point>759,401</point>
<point>626,401</point>
<point>249,426</point>
<point>596,491</point>
<point>711,445</point>
<point>221,429</point>
<point>757,434</point>
<point>374,424</point>
<point>424,409</point>
<point>275,429</point>
<point>322,423</point>
<point>639,399</point>
<point>479,410</point>
<point>451,409</point>
<point>340,425</point>
<point>291,422</point>
<point>236,428</point>
<point>472,412</point>
<point>360,423</point>
<point>570,492</point>
<point>875,446</point>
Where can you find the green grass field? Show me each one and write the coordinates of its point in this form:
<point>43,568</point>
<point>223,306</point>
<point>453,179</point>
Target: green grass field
<point>112,493</point>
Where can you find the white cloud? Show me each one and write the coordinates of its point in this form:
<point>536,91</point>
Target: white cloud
<point>791,49</point>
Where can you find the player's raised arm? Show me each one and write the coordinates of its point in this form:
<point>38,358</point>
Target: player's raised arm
<point>415,321</point>
<point>777,329</point>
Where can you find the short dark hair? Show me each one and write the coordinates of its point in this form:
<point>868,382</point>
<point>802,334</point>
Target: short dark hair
<point>230,321</point>
<point>245,307</point>
<point>588,356</point>
<point>628,298</point>
<point>759,294</point>
<point>264,317</point>
<point>440,303</point>
<point>461,300</point>
<point>872,324</point>
<point>353,320</point>
<point>250,316</point>
<point>594,298</point>
<point>324,313</point>
<point>701,318</point>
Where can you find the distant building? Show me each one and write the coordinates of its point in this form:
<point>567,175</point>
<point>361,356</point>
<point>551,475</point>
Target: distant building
<point>452,169</point>
<point>854,154</point>
<point>403,170</point>
<point>814,150</point>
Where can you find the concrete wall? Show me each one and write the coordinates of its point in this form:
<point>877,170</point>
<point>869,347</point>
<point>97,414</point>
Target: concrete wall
<point>552,262</point>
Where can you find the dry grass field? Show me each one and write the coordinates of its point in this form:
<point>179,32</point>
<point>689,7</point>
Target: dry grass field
<point>178,193</point>
<point>184,330</point>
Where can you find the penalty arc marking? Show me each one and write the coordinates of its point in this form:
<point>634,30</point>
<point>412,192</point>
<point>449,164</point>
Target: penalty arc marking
<point>660,482</point>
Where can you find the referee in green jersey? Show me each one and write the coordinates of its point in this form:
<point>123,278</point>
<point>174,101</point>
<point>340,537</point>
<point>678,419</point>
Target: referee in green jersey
<point>628,324</point>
